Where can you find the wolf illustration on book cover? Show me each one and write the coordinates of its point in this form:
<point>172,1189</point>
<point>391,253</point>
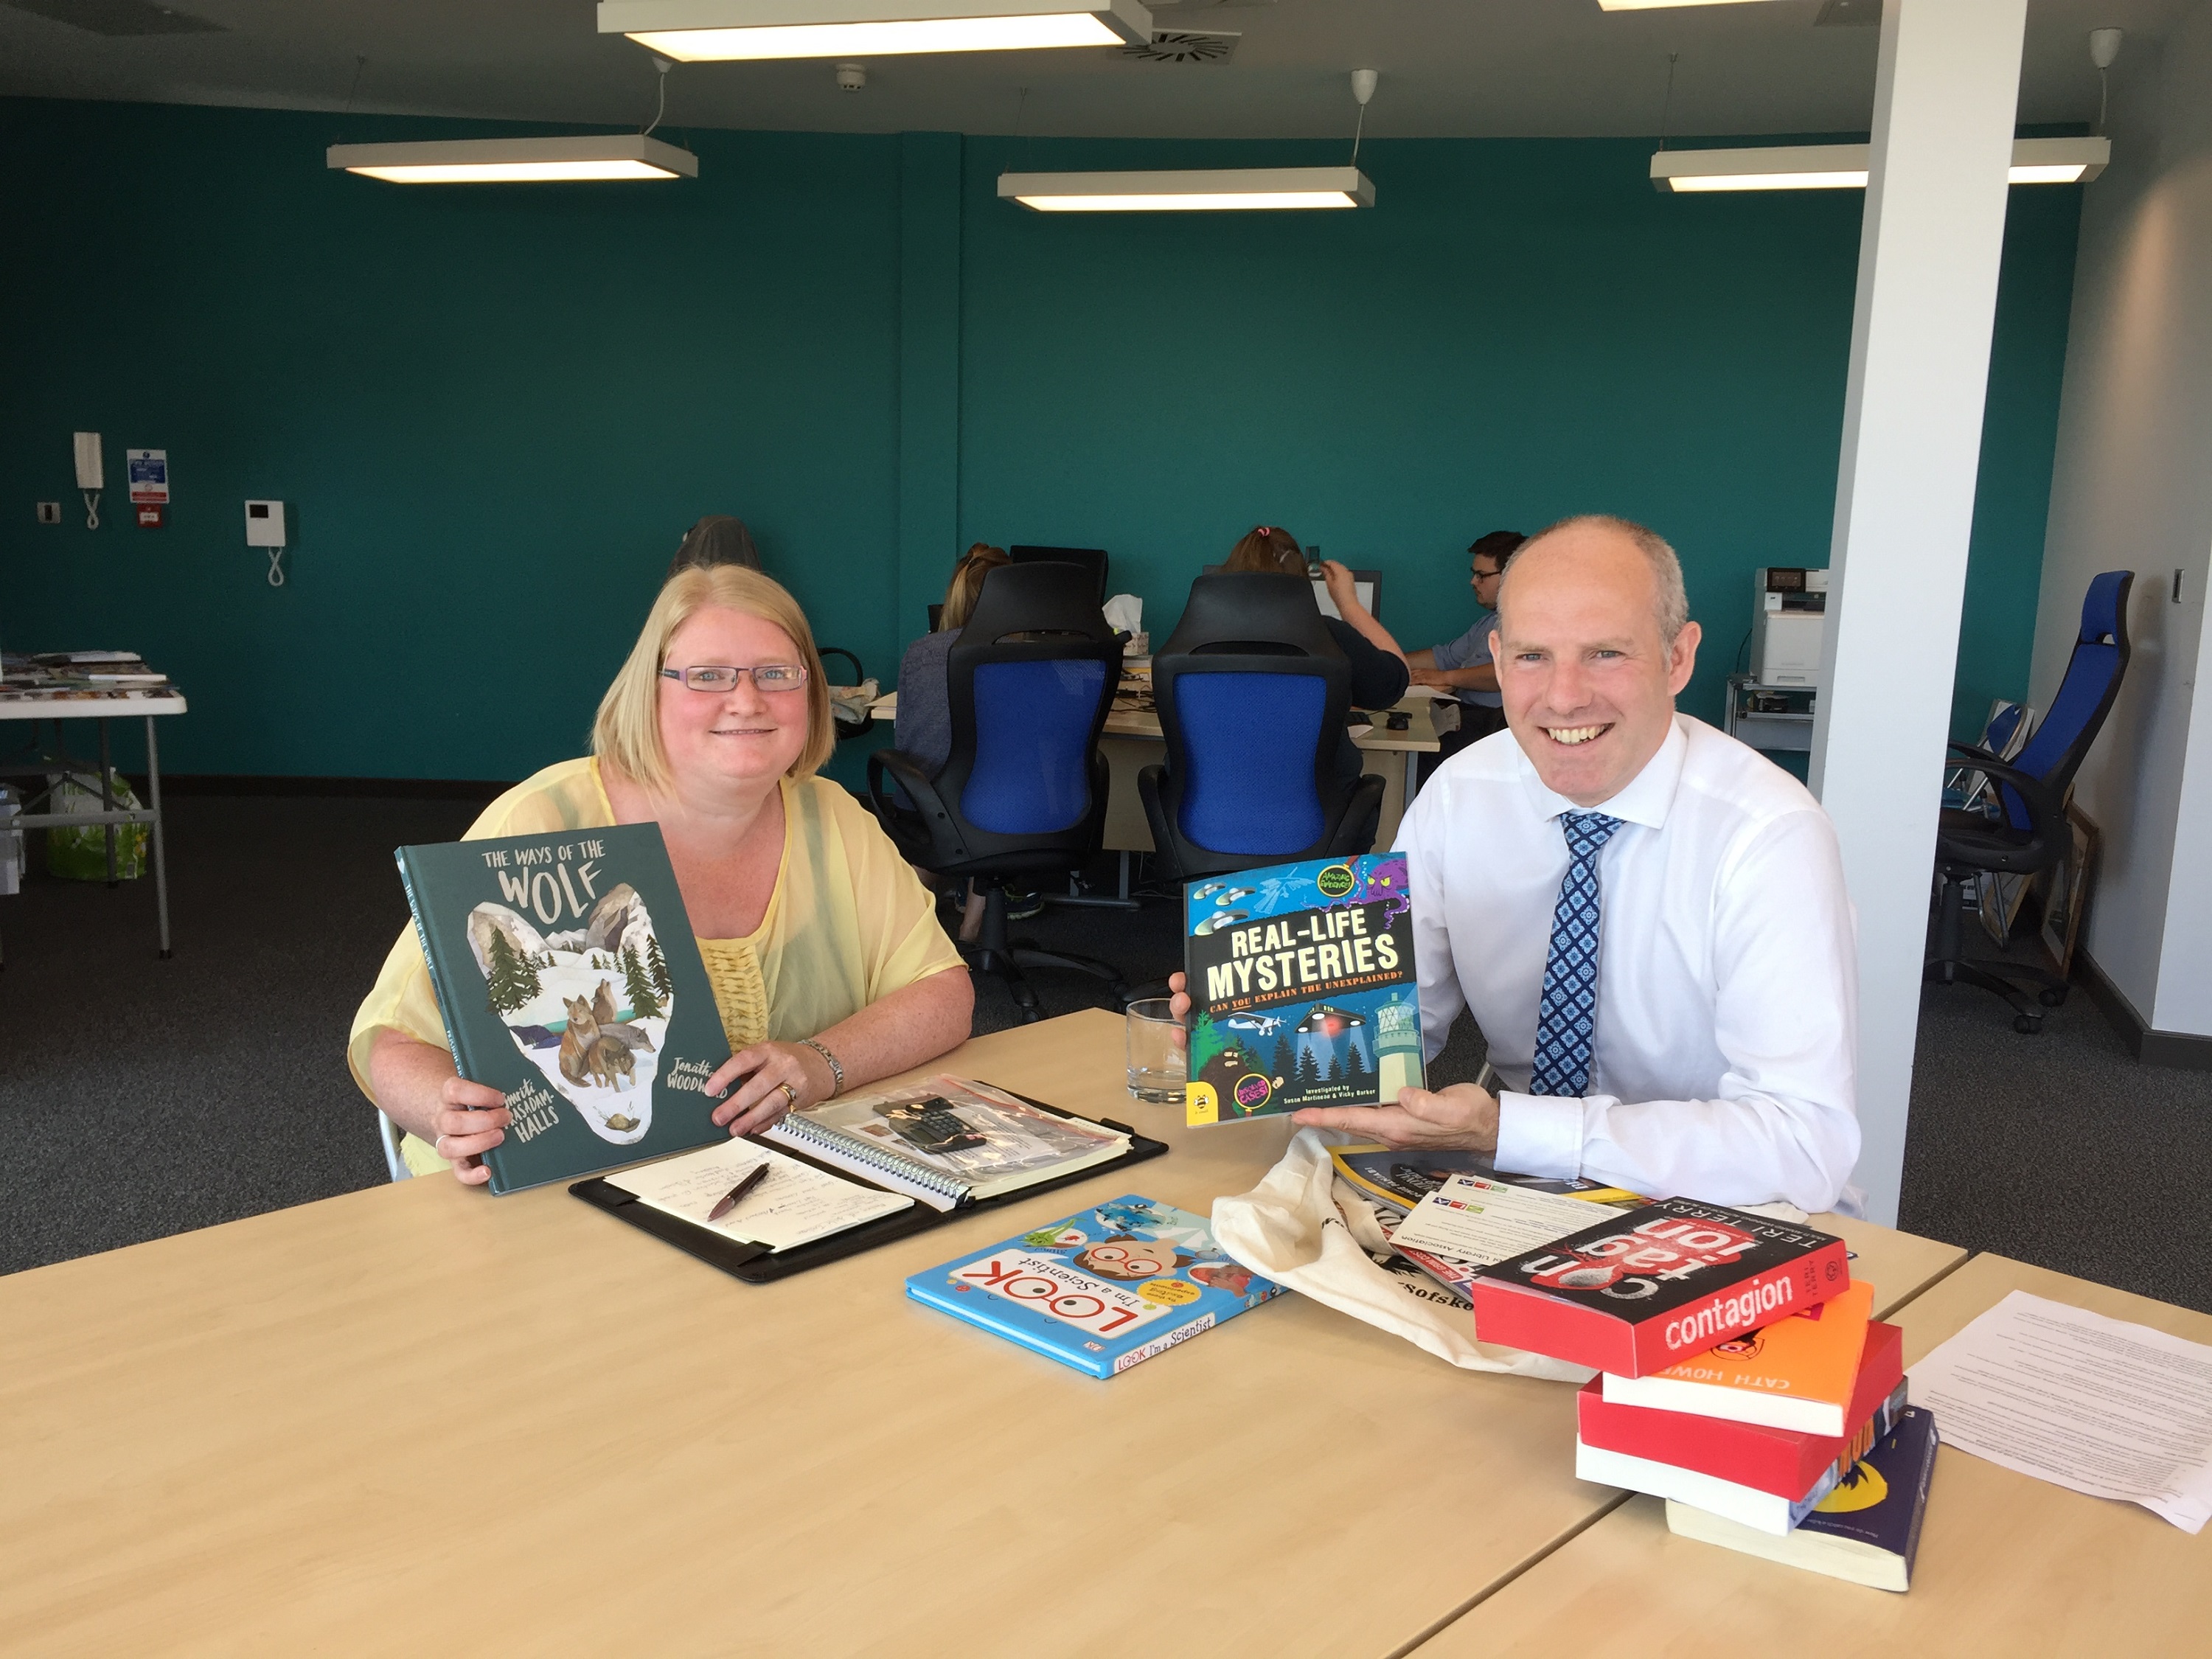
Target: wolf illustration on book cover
<point>597,1047</point>
<point>1301,978</point>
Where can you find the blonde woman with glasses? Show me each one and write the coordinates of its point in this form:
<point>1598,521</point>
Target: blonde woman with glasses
<point>828,967</point>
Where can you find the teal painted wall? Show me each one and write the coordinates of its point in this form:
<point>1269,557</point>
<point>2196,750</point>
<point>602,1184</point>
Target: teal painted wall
<point>495,409</point>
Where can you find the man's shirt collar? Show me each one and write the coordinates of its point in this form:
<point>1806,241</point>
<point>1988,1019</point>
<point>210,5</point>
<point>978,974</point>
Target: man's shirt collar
<point>1644,800</point>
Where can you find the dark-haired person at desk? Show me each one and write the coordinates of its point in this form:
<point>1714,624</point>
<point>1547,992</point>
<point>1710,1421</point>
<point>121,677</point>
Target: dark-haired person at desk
<point>1647,918</point>
<point>1462,666</point>
<point>823,953</point>
<point>1379,674</point>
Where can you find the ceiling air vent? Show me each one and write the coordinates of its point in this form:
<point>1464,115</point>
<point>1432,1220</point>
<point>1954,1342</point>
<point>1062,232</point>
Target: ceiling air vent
<point>1184,47</point>
<point>120,17</point>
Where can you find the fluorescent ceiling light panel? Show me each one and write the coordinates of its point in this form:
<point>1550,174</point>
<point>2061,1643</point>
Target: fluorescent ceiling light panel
<point>1843,166</point>
<point>516,160</point>
<point>698,31</point>
<point>1190,191</point>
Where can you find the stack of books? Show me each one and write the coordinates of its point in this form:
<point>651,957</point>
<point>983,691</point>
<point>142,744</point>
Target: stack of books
<point>72,674</point>
<point>1742,1377</point>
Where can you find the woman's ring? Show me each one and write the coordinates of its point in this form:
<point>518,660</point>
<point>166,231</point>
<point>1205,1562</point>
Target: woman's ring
<point>790,1096</point>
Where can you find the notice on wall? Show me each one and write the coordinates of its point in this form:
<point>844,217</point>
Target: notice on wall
<point>148,471</point>
<point>2096,1405</point>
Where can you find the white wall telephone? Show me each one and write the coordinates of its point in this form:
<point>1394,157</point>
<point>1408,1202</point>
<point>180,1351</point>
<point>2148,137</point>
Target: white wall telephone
<point>91,476</point>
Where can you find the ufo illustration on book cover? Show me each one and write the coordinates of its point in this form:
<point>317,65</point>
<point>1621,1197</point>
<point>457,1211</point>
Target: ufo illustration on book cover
<point>588,1007</point>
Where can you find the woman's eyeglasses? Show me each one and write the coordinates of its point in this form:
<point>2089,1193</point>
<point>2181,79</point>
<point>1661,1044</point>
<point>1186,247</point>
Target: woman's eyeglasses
<point>715,677</point>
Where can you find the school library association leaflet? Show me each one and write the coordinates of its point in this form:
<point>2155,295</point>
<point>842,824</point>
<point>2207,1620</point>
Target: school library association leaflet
<point>1301,988</point>
<point>569,980</point>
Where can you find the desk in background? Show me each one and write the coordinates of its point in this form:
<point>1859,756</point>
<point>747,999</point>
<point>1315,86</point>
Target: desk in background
<point>2008,1565</point>
<point>75,706</point>
<point>421,1417</point>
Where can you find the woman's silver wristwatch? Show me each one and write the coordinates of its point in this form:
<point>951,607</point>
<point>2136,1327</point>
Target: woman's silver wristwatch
<point>836,1071</point>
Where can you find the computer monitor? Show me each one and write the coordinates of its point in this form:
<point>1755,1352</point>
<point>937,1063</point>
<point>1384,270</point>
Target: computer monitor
<point>1367,585</point>
<point>1092,559</point>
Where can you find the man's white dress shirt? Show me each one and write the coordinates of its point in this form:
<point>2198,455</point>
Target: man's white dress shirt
<point>1721,1067</point>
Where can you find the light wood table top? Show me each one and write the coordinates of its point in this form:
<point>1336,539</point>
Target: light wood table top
<point>422,1416</point>
<point>2007,1565</point>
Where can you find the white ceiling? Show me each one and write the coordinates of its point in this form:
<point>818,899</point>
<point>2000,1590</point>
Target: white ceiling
<point>1532,68</point>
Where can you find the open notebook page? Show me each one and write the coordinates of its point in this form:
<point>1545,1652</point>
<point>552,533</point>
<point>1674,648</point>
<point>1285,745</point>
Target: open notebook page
<point>796,1205</point>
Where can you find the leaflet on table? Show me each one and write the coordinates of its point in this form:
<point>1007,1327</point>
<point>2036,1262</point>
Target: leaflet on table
<point>1474,1219</point>
<point>1402,1179</point>
<point>795,1204</point>
<point>2093,1404</point>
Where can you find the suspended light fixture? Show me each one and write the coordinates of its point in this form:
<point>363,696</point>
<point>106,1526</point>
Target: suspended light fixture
<point>1843,166</point>
<point>699,31</point>
<point>1201,191</point>
<point>515,161</point>
<point>525,161</point>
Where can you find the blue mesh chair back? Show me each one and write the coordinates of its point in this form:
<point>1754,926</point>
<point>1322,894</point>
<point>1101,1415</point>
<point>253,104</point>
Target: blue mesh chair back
<point>2085,696</point>
<point>1035,735</point>
<point>1252,692</point>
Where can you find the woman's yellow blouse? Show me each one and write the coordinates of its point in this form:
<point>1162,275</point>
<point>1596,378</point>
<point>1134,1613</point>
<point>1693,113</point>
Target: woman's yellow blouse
<point>849,923</point>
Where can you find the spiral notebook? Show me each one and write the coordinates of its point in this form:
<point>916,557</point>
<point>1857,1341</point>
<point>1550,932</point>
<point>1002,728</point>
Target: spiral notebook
<point>949,1141</point>
<point>849,1192</point>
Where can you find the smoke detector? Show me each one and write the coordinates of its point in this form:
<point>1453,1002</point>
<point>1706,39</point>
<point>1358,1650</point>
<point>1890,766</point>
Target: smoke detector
<point>851,77</point>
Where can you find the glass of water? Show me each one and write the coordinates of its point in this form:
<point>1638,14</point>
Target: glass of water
<point>1157,1051</point>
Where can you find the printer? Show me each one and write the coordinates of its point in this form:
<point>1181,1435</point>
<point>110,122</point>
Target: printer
<point>1790,606</point>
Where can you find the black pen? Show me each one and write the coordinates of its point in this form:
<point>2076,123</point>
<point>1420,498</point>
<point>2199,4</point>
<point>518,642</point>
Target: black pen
<point>730,1200</point>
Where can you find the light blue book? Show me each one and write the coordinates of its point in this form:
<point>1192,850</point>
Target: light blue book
<point>1103,1290</point>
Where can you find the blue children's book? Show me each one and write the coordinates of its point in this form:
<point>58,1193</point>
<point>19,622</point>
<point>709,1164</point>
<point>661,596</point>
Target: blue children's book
<point>1302,990</point>
<point>1102,1291</point>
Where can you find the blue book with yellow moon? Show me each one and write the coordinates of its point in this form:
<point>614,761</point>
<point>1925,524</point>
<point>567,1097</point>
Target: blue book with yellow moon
<point>1301,988</point>
<point>569,979</point>
<point>1102,1289</point>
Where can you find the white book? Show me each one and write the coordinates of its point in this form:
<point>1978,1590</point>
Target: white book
<point>1761,1511</point>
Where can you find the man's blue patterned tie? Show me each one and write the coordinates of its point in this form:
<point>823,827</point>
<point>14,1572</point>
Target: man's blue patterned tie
<point>1566,1018</point>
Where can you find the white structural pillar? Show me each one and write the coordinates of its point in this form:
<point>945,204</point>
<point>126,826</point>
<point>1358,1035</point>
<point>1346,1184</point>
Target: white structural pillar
<point>1945,89</point>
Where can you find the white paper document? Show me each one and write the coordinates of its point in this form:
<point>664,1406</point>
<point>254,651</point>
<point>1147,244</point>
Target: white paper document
<point>796,1205</point>
<point>1470,1218</point>
<point>2096,1405</point>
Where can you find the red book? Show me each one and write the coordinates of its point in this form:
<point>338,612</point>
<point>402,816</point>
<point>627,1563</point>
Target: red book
<point>1778,1460</point>
<point>1644,1288</point>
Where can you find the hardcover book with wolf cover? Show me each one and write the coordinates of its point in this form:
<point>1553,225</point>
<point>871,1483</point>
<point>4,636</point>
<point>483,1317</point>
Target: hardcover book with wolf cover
<point>569,980</point>
<point>1301,981</point>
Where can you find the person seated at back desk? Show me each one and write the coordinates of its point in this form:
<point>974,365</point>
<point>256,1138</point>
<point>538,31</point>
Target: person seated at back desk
<point>827,964</point>
<point>1462,666</point>
<point>1647,919</point>
<point>1379,675</point>
<point>924,727</point>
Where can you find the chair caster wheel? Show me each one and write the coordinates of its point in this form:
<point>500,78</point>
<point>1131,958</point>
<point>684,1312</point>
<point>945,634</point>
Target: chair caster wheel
<point>2052,997</point>
<point>1030,1016</point>
<point>2028,1024</point>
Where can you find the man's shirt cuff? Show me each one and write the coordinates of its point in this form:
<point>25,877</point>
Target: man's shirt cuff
<point>1539,1136</point>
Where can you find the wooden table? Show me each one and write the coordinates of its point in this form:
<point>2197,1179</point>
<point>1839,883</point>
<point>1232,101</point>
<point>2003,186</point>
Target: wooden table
<point>421,1417</point>
<point>1132,741</point>
<point>2007,1565</point>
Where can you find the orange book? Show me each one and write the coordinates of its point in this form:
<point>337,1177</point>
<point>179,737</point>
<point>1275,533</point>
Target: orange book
<point>1796,1374</point>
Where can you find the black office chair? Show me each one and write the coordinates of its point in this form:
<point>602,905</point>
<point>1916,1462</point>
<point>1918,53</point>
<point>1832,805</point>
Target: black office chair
<point>2025,829</point>
<point>1253,693</point>
<point>1092,559</point>
<point>1023,793</point>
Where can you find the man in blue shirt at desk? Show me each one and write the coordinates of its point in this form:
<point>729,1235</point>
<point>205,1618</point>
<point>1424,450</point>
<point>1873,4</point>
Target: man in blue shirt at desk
<point>1462,665</point>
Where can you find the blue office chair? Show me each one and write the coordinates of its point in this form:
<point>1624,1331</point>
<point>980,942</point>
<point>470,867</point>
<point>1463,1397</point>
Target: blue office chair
<point>1023,793</point>
<point>2024,828</point>
<point>1253,693</point>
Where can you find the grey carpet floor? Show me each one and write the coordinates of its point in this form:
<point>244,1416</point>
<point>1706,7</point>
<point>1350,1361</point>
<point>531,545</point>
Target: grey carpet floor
<point>140,1097</point>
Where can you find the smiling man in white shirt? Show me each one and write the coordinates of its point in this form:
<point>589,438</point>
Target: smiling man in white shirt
<point>1647,918</point>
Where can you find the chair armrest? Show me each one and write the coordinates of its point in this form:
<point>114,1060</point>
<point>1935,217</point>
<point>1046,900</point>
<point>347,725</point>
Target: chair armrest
<point>939,825</point>
<point>2046,811</point>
